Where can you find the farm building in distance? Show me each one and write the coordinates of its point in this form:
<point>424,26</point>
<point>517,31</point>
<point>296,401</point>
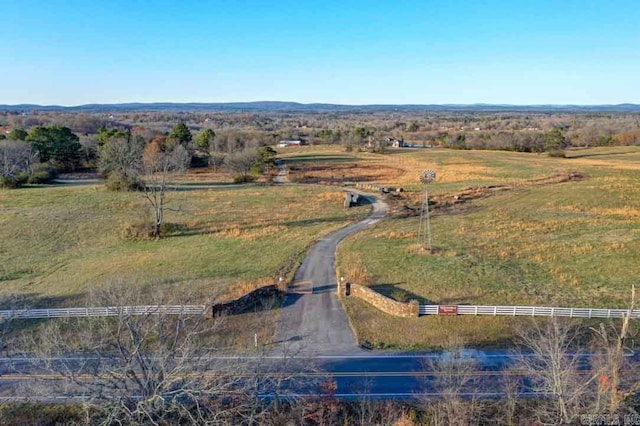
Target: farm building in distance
<point>395,142</point>
<point>286,143</point>
<point>401,143</point>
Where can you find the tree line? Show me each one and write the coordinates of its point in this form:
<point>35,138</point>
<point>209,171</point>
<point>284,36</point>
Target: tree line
<point>481,129</point>
<point>117,152</point>
<point>51,134</point>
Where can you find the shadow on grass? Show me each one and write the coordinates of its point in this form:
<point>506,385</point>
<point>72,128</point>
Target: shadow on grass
<point>263,304</point>
<point>311,158</point>
<point>61,184</point>
<point>76,182</point>
<point>339,180</point>
<point>35,301</point>
<point>462,300</point>
<point>186,187</point>
<point>310,222</point>
<point>337,176</point>
<point>394,292</point>
<point>12,331</point>
<point>201,183</point>
<point>603,154</point>
<point>206,229</point>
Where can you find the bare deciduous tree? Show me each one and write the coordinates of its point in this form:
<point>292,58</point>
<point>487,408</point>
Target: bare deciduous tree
<point>122,156</point>
<point>153,368</point>
<point>157,165</point>
<point>16,157</point>
<point>551,358</point>
<point>617,380</point>
<point>241,162</point>
<point>455,388</point>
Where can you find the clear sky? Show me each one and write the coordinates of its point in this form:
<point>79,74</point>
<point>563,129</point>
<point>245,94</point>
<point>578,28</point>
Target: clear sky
<point>351,52</point>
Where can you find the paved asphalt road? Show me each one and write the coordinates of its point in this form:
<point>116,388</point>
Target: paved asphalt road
<point>314,321</point>
<point>368,375</point>
<point>390,375</point>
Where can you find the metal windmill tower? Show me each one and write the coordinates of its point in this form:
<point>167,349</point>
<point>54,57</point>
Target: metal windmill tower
<point>424,230</point>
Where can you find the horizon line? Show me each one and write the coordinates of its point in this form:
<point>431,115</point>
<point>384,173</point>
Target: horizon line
<point>23,104</point>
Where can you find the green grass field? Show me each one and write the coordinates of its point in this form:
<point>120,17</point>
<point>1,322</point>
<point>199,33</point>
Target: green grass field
<point>57,243</point>
<point>561,244</point>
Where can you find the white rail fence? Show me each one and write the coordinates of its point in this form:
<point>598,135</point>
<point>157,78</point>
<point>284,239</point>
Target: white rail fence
<point>532,311</point>
<point>109,311</point>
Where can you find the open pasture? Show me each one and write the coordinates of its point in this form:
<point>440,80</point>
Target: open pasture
<point>574,243</point>
<point>59,242</point>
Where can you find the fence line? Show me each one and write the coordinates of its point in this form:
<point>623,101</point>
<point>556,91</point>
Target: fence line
<point>533,311</point>
<point>110,311</point>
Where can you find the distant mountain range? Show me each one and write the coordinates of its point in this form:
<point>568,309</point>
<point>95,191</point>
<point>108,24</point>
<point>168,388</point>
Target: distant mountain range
<point>275,106</point>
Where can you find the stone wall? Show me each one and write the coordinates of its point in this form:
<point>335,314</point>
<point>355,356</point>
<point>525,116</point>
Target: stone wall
<point>372,187</point>
<point>384,303</point>
<point>379,188</point>
<point>245,302</point>
<point>351,199</point>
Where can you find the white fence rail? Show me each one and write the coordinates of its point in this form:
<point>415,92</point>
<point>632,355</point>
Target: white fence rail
<point>110,311</point>
<point>532,311</point>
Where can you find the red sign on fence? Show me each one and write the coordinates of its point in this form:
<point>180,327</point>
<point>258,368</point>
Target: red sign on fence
<point>447,310</point>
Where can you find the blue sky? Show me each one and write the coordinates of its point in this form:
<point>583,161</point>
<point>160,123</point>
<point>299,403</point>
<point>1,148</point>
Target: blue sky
<point>349,52</point>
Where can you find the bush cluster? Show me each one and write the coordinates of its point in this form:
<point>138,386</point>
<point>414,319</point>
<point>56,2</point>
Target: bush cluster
<point>244,179</point>
<point>145,231</point>
<point>14,181</point>
<point>117,182</point>
<point>43,173</point>
<point>140,231</point>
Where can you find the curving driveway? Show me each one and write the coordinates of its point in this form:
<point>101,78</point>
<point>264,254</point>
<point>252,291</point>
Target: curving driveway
<point>313,320</point>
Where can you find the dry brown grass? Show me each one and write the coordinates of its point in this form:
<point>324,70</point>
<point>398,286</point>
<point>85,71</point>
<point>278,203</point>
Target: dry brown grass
<point>447,173</point>
<point>356,272</point>
<point>402,167</point>
<point>544,240</point>
<point>244,287</point>
<point>337,173</point>
<point>205,174</point>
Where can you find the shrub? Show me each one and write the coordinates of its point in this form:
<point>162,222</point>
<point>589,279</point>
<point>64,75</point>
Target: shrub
<point>145,231</point>
<point>172,228</point>
<point>243,179</point>
<point>559,153</point>
<point>12,182</point>
<point>43,173</point>
<point>42,414</point>
<point>199,161</point>
<point>117,182</point>
<point>140,231</point>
